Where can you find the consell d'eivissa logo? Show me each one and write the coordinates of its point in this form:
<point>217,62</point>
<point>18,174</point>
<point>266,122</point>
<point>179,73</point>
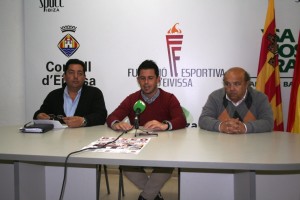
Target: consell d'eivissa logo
<point>68,45</point>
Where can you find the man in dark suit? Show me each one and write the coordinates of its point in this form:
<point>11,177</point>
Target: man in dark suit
<point>75,104</point>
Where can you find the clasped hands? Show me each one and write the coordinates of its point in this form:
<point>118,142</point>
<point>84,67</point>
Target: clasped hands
<point>72,122</point>
<point>232,126</point>
<point>150,125</point>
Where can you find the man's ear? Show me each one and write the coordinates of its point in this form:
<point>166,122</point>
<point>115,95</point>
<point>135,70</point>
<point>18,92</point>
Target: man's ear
<point>248,84</point>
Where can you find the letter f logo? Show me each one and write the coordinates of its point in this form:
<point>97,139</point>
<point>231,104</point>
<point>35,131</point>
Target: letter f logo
<point>174,39</point>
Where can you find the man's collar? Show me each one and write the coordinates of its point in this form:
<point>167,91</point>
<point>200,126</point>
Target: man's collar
<point>66,90</point>
<point>239,102</point>
<point>150,100</point>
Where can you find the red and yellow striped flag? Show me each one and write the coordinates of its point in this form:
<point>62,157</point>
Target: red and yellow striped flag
<point>293,124</point>
<point>268,77</point>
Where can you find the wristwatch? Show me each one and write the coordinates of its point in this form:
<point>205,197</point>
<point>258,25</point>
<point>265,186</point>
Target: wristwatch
<point>168,123</point>
<point>84,122</point>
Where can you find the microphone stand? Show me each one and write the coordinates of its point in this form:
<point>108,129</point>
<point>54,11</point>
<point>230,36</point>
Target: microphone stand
<point>137,127</point>
<point>136,123</point>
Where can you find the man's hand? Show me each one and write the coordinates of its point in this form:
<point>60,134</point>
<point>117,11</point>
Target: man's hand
<point>232,126</point>
<point>121,126</point>
<point>73,122</point>
<point>156,125</point>
<point>42,116</point>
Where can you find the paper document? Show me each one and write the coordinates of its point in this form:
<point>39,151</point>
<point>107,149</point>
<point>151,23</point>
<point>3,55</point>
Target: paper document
<point>122,145</point>
<point>56,123</point>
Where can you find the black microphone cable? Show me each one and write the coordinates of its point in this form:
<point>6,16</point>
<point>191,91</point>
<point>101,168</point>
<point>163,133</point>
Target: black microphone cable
<point>78,151</point>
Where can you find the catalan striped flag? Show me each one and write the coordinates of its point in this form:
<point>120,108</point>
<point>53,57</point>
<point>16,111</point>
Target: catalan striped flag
<point>268,77</point>
<point>293,124</point>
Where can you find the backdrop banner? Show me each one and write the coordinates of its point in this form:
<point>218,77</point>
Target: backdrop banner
<point>193,43</point>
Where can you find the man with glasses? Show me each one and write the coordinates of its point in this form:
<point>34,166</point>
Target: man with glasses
<point>237,108</point>
<point>75,104</point>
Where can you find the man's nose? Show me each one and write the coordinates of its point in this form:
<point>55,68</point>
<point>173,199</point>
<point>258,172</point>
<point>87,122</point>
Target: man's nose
<point>146,80</point>
<point>232,87</point>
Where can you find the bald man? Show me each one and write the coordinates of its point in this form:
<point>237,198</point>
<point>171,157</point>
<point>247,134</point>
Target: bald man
<point>237,108</point>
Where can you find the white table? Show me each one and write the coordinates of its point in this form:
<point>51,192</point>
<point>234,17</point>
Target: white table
<point>38,158</point>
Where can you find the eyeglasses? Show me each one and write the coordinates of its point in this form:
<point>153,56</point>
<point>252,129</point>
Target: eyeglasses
<point>55,117</point>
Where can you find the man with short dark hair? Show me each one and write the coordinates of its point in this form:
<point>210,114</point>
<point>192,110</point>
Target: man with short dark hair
<point>75,104</point>
<point>163,112</point>
<point>237,108</point>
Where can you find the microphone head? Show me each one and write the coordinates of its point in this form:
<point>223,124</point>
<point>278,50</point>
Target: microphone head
<point>139,107</point>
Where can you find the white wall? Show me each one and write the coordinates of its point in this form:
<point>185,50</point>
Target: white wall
<point>12,81</point>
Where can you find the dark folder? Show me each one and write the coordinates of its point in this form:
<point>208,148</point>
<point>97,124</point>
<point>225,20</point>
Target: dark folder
<point>37,128</point>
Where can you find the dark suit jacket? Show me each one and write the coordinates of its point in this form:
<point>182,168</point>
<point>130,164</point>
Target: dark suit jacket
<point>91,105</point>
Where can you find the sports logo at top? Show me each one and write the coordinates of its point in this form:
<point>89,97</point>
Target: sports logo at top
<point>174,39</point>
<point>68,44</point>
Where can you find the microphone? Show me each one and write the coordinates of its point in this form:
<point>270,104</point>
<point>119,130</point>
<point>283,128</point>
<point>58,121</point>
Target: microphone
<point>138,108</point>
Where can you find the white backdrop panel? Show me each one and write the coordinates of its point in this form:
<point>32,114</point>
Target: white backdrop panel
<point>116,36</point>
